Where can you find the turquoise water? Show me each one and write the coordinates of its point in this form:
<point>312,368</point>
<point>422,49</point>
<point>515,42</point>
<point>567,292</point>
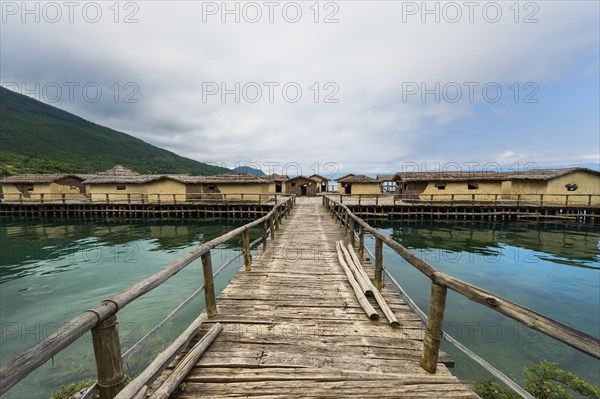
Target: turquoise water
<point>51,271</point>
<point>552,269</point>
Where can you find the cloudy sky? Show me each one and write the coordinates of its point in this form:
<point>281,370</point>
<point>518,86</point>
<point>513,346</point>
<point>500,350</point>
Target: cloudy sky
<point>350,86</point>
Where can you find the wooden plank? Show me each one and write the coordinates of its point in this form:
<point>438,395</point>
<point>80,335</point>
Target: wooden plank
<point>292,326</point>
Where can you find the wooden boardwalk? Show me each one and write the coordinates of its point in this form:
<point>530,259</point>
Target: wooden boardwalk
<point>292,327</point>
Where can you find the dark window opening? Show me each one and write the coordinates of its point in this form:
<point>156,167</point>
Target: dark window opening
<point>472,186</point>
<point>293,184</point>
<point>278,187</point>
<point>212,187</point>
<point>121,187</point>
<point>571,187</point>
<point>441,186</point>
<point>29,187</point>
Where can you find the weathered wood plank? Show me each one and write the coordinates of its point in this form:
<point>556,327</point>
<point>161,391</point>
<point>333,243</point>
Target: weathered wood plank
<point>293,327</point>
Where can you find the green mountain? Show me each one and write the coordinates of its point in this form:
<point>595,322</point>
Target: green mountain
<point>38,138</point>
<point>248,170</point>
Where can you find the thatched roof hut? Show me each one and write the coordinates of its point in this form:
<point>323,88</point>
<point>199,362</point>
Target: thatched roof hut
<point>274,177</point>
<point>533,174</point>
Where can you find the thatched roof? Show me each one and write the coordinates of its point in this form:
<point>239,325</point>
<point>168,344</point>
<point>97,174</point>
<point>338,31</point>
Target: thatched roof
<point>275,177</point>
<point>120,174</point>
<point>318,178</point>
<point>357,179</point>
<point>534,174</point>
<point>343,177</point>
<point>46,178</point>
<point>301,178</point>
<point>383,178</point>
<point>231,178</point>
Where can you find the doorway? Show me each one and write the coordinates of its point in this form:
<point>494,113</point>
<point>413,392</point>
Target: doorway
<point>277,187</point>
<point>348,189</point>
<point>303,190</point>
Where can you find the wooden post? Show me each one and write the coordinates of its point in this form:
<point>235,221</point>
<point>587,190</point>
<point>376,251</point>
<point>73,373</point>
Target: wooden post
<point>359,198</point>
<point>518,199</point>
<point>63,196</point>
<point>377,200</point>
<point>174,199</point>
<point>264,238</point>
<point>590,200</point>
<point>341,199</point>
<point>361,243</point>
<point>242,197</point>
<point>433,330</point>
<point>20,198</point>
<point>351,228</point>
<point>567,200</point>
<point>272,225</point>
<point>247,254</point>
<point>209,285</point>
<point>107,350</point>
<point>107,201</point>
<point>42,198</point>
<point>128,198</point>
<point>158,198</point>
<point>378,264</point>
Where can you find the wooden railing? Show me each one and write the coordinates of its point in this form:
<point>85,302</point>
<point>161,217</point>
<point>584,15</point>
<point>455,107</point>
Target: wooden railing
<point>102,319</point>
<point>475,198</point>
<point>441,282</point>
<point>138,198</point>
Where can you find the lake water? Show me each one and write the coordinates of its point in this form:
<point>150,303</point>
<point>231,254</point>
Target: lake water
<point>552,269</point>
<point>50,271</point>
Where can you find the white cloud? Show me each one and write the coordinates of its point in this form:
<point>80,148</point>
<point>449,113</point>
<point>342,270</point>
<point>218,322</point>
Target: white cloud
<point>369,54</point>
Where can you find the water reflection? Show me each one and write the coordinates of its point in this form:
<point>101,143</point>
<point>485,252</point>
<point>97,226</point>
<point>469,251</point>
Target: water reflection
<point>572,245</point>
<point>30,247</point>
<point>552,269</point>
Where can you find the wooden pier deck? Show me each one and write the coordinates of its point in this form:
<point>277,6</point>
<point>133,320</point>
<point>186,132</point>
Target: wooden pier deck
<point>292,327</point>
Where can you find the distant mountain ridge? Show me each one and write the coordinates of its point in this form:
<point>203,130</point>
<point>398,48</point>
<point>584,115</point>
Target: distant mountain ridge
<point>38,138</point>
<point>248,170</point>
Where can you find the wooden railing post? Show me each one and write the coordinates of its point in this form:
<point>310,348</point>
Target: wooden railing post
<point>359,198</point>
<point>63,197</point>
<point>174,199</point>
<point>264,236</point>
<point>378,264</point>
<point>376,200</point>
<point>272,225</point>
<point>209,285</point>
<point>107,199</point>
<point>433,331</point>
<point>341,199</point>
<point>361,242</point>
<point>247,254</point>
<point>567,200</point>
<point>107,350</point>
<point>541,199</point>
<point>351,229</point>
<point>590,200</point>
<point>42,198</point>
<point>20,198</point>
<point>518,199</point>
